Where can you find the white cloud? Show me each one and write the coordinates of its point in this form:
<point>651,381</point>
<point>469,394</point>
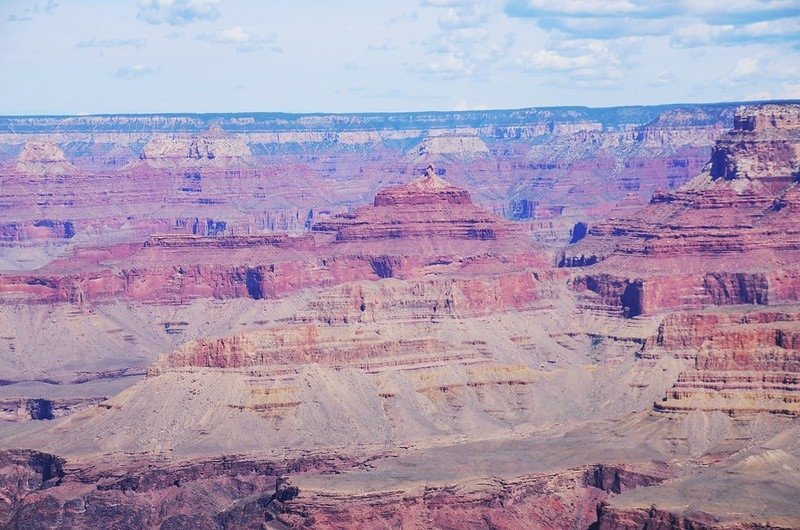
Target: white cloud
<point>719,11</point>
<point>447,67</point>
<point>234,35</point>
<point>590,8</point>
<point>744,68</point>
<point>464,105</point>
<point>447,3</point>
<point>466,16</point>
<point>465,52</point>
<point>135,71</point>
<point>703,34</point>
<point>178,12</point>
<point>94,42</point>
<point>243,40</point>
<point>591,63</point>
<point>741,10</point>
<point>28,13</point>
<point>688,23</point>
<point>763,95</point>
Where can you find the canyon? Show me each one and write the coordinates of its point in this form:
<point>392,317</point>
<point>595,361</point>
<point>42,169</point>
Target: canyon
<point>539,318</point>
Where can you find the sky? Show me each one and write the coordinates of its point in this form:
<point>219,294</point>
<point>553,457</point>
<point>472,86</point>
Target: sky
<point>129,56</point>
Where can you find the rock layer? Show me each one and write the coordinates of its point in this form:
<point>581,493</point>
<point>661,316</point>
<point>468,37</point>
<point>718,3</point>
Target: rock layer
<point>727,237</point>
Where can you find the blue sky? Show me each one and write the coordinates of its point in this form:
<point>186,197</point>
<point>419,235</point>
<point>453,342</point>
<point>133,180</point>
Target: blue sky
<point>106,56</point>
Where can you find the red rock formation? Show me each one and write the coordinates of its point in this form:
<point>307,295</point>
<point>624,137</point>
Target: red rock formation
<point>730,236</point>
<point>125,177</point>
<point>743,362</point>
<point>427,207</point>
<point>433,226</point>
<point>240,492</point>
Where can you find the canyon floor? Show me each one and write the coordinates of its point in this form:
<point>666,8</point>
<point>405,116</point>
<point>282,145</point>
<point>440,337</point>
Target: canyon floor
<point>475,322</point>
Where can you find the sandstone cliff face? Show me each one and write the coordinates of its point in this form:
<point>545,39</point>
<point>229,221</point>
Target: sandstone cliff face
<point>729,236</point>
<point>213,147</point>
<point>743,362</point>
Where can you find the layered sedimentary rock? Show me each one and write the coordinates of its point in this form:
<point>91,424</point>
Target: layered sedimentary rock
<point>450,146</point>
<point>126,177</point>
<point>432,225</point>
<point>567,497</point>
<point>416,361</point>
<point>44,491</point>
<point>729,236</point>
<point>742,362</point>
<point>43,159</point>
<point>754,488</point>
<point>428,207</point>
<point>213,147</point>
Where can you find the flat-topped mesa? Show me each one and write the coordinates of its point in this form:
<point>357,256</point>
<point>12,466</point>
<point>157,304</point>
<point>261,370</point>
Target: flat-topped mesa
<point>429,189</point>
<point>212,144</point>
<point>764,144</point>
<point>759,118</point>
<point>41,152</point>
<point>450,146</point>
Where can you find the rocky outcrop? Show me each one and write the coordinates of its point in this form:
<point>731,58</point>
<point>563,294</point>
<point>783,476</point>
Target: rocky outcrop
<point>43,159</point>
<point>450,146</point>
<point>21,473</point>
<point>40,229</point>
<point>611,518</point>
<point>213,147</point>
<point>29,409</point>
<point>570,497</point>
<point>434,228</point>
<point>755,489</point>
<point>43,491</point>
<point>717,239</point>
<point>428,207</point>
<point>744,362</point>
<point>242,492</point>
<point>185,241</point>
